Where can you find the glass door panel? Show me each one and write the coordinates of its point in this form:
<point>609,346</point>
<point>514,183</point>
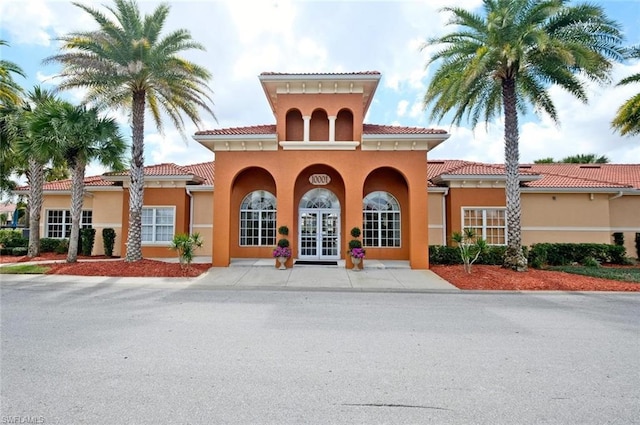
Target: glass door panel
<point>330,238</point>
<point>308,234</point>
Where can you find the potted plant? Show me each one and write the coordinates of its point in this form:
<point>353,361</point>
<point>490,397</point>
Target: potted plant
<point>282,252</point>
<point>356,251</point>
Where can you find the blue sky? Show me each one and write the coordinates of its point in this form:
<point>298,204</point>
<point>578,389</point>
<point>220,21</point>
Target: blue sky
<point>245,38</point>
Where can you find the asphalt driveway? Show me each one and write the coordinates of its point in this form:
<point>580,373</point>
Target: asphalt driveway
<point>118,353</point>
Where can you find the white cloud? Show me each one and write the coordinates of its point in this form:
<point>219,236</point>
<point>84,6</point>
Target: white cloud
<point>402,107</point>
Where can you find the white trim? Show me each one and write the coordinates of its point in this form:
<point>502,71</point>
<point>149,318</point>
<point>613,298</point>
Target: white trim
<point>319,146</point>
<point>101,225</point>
<point>578,229</point>
<point>436,226</point>
<point>158,243</point>
<point>203,226</point>
<point>201,188</point>
<point>484,225</point>
<point>238,142</point>
<point>402,142</point>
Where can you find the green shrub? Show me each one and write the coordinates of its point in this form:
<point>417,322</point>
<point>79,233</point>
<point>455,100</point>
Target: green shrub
<point>618,238</point>
<point>590,262</point>
<point>19,251</point>
<point>354,243</point>
<point>562,254</point>
<point>186,245</point>
<point>283,243</point>
<point>470,247</point>
<point>10,238</point>
<point>108,241</point>
<point>443,254</point>
<point>63,246</point>
<point>49,244</point>
<point>638,245</point>
<point>492,255</point>
<point>87,237</point>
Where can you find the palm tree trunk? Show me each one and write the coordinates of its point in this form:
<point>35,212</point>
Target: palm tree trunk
<point>36,182</point>
<point>136,188</point>
<point>514,258</point>
<point>77,198</point>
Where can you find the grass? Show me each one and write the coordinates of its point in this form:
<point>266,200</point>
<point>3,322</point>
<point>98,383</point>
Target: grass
<point>24,269</point>
<point>614,273</point>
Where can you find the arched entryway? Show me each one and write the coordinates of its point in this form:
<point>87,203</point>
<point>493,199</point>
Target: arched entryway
<point>319,225</point>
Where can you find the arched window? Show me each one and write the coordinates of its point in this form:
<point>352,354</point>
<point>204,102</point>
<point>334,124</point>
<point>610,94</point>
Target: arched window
<point>258,219</point>
<point>319,198</point>
<point>381,220</point>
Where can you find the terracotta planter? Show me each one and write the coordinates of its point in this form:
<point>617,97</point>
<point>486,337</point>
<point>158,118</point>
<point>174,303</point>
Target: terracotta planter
<point>282,261</point>
<point>356,263</point>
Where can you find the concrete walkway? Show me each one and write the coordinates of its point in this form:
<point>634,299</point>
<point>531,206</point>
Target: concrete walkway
<point>376,276</point>
<point>262,274</point>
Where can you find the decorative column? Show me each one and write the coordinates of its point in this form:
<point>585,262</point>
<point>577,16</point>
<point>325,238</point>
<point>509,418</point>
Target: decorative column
<point>307,126</point>
<point>332,129</point>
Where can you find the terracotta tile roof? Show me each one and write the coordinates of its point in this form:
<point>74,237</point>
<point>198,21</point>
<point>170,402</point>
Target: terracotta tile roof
<point>394,129</point>
<point>366,129</point>
<point>322,73</point>
<point>256,129</point>
<point>595,175</point>
<point>166,169</point>
<point>204,170</point>
<point>552,176</point>
<point>66,184</point>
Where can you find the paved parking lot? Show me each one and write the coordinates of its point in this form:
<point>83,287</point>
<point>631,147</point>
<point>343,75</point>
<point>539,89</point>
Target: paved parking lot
<point>133,353</point>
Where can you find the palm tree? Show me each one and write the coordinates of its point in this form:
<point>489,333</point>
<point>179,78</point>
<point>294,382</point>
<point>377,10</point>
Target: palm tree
<point>627,119</point>
<point>81,136</point>
<point>10,91</point>
<point>10,100</point>
<point>500,61</point>
<point>589,158</point>
<point>126,63</point>
<point>30,152</point>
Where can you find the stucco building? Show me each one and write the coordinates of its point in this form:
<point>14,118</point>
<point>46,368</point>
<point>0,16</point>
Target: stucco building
<point>320,170</point>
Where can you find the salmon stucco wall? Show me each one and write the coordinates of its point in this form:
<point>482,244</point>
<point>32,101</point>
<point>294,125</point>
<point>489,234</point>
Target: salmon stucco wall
<point>470,197</point>
<point>436,219</point>
<point>159,197</point>
<point>565,217</point>
<point>203,220</point>
<point>625,218</point>
<point>106,208</point>
<point>284,167</point>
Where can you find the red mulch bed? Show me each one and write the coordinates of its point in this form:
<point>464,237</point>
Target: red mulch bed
<point>496,278</point>
<point>481,278</point>
<point>114,268</point>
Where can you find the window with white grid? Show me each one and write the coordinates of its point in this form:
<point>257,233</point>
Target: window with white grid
<point>381,220</point>
<point>258,219</point>
<point>58,224</point>
<point>158,224</point>
<point>489,223</point>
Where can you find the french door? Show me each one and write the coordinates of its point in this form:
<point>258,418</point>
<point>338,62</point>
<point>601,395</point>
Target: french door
<point>319,236</point>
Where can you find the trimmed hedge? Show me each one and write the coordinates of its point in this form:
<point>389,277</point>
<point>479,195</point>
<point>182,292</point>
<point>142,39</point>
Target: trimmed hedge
<point>447,255</point>
<point>87,239</point>
<point>63,246</point>
<point>10,238</point>
<point>552,254</point>
<point>562,254</point>
<point>49,244</point>
<point>19,251</point>
<point>108,240</point>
